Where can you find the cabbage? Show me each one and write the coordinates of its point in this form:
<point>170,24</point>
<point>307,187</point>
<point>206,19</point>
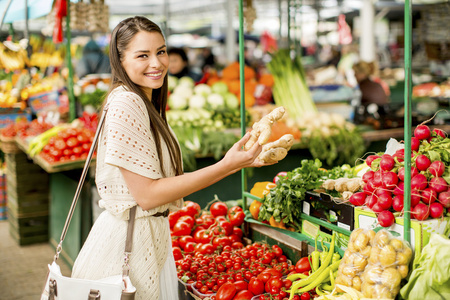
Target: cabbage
<point>219,88</point>
<point>185,80</point>
<point>197,101</point>
<point>231,101</point>
<point>184,91</point>
<point>172,82</point>
<point>177,101</point>
<point>215,101</point>
<point>202,89</point>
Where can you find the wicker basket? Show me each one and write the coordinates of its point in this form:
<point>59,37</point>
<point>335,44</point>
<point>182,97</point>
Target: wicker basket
<point>8,145</point>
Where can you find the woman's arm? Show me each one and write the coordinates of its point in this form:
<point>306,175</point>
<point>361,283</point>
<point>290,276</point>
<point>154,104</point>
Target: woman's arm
<point>151,193</point>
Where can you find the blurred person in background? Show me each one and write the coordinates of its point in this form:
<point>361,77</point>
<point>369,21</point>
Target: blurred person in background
<point>93,61</point>
<point>179,64</point>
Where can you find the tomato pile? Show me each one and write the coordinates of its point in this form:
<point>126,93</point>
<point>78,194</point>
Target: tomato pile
<point>24,129</point>
<point>430,177</point>
<point>212,260</point>
<point>68,145</point>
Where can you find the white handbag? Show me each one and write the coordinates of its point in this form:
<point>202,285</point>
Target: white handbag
<point>118,287</point>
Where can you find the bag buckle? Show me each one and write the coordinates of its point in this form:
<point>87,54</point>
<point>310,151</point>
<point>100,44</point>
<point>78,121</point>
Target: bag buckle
<point>94,295</point>
<point>52,289</point>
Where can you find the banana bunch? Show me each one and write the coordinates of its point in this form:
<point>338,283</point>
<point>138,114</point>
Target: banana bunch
<point>40,60</point>
<point>37,143</point>
<point>13,60</point>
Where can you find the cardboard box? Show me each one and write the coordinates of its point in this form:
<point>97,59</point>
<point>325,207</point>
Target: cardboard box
<point>323,206</point>
<point>312,230</point>
<point>44,101</point>
<point>420,230</point>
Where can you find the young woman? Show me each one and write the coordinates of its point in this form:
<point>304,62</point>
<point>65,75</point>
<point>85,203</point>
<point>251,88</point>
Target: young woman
<point>139,163</point>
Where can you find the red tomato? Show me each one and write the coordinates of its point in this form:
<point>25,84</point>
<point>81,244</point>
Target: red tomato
<point>60,144</point>
<point>237,231</point>
<point>277,250</point>
<point>218,209</point>
<point>82,138</point>
<point>184,240</point>
<point>243,295</point>
<point>237,245</point>
<point>181,228</point>
<point>277,177</point>
<point>274,285</point>
<point>221,241</point>
<point>189,247</point>
<point>305,296</point>
<point>191,208</point>
<point>241,285</point>
<point>72,142</point>
<point>227,227</point>
<point>177,254</point>
<point>206,249</point>
<point>226,291</point>
<point>77,150</point>
<point>208,220</point>
<point>302,265</point>
<point>175,242</point>
<point>173,218</point>
<point>188,219</point>
<point>256,286</point>
<point>264,277</point>
<point>236,218</point>
<point>234,238</point>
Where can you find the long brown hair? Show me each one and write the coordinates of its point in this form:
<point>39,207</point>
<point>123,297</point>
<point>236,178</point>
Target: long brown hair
<point>156,106</point>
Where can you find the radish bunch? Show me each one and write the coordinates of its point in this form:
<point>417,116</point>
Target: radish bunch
<point>430,178</point>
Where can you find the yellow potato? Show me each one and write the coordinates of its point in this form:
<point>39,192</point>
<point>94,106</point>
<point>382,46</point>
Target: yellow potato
<point>397,244</point>
<point>402,259</point>
<point>408,253</point>
<point>371,235</point>
<point>349,271</point>
<point>356,282</point>
<point>387,256</point>
<point>361,242</point>
<point>355,234</point>
<point>366,251</point>
<point>372,274</point>
<point>382,238</point>
<point>374,254</point>
<point>360,263</point>
<point>391,278</point>
<point>367,289</point>
<point>380,291</point>
<point>403,270</point>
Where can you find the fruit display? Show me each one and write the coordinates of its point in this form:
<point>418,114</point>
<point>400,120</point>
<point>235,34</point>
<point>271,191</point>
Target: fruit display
<point>25,129</point>
<point>375,263</point>
<point>430,179</point>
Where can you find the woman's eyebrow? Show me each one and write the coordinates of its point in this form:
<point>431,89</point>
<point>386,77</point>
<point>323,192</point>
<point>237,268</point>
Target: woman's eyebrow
<point>147,51</point>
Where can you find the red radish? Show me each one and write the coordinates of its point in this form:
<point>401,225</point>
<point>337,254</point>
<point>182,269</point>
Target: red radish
<point>420,212</point>
<point>437,168</point>
<point>415,144</point>
<point>439,132</point>
<point>444,199</point>
<point>415,197</point>
<point>376,208</point>
<point>358,199</point>
<point>386,218</point>
<point>380,191</point>
<point>429,195</point>
<point>369,188</point>
<point>399,189</point>
<point>368,176</point>
<point>389,180</point>
<point>371,200</point>
<point>384,201</point>
<point>436,210</point>
<point>422,162</point>
<point>400,155</point>
<point>387,162</point>
<point>397,203</point>
<point>438,184</point>
<point>377,178</point>
<point>422,132</point>
<point>419,182</point>
<point>401,173</point>
<point>371,158</point>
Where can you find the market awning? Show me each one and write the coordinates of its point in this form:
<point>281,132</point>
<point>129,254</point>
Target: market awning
<point>16,11</point>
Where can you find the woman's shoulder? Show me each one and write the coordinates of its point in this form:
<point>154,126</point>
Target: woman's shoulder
<point>120,96</point>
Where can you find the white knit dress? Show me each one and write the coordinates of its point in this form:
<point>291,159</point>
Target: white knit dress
<point>126,141</point>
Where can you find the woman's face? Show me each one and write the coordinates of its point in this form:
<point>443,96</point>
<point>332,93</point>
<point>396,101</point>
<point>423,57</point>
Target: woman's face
<point>176,63</point>
<point>146,61</point>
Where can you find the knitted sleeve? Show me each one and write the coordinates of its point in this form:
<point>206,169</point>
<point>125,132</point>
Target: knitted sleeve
<point>128,139</point>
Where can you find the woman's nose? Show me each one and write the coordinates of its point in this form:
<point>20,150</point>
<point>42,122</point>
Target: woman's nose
<point>154,61</point>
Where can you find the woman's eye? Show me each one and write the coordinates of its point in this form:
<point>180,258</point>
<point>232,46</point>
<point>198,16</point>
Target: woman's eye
<point>162,52</point>
<point>142,56</point>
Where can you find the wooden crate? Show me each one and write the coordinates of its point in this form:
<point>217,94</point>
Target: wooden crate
<point>28,230</point>
<point>28,205</point>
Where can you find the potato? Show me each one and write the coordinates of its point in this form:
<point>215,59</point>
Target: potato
<point>351,247</point>
<point>403,270</point>
<point>361,241</point>
<point>356,282</point>
<point>408,253</point>
<point>374,254</point>
<point>402,259</point>
<point>351,258</point>
<point>381,239</point>
<point>372,274</point>
<point>397,244</point>
<point>360,263</point>
<point>367,289</point>
<point>371,235</point>
<point>380,291</point>
<point>366,251</point>
<point>355,234</point>
<point>391,278</point>
<point>349,270</point>
<point>387,256</point>
<point>341,266</point>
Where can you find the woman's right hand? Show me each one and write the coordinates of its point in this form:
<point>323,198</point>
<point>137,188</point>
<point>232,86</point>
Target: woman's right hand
<point>237,158</point>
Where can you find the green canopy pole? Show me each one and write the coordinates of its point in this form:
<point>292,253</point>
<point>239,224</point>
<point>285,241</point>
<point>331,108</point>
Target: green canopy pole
<point>407,132</point>
<point>72,109</point>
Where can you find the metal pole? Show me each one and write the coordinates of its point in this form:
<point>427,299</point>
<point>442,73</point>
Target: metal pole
<point>230,34</point>
<point>242,84</point>
<point>25,33</point>
<point>407,129</point>
<point>289,23</point>
<point>72,108</point>
<point>5,12</point>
